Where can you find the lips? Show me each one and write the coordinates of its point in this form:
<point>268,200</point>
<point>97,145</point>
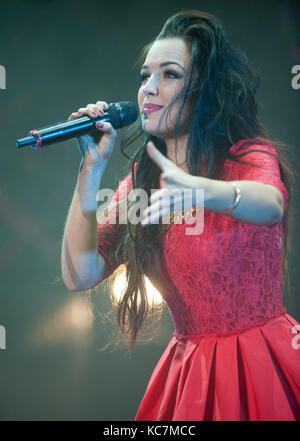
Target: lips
<point>149,108</point>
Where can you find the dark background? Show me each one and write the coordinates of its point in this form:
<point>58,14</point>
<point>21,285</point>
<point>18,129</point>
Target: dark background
<point>59,56</point>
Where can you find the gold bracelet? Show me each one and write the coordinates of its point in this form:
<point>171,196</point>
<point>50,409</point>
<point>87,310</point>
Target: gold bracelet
<point>237,197</point>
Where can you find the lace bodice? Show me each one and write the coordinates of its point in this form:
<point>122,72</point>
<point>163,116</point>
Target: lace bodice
<point>229,276</point>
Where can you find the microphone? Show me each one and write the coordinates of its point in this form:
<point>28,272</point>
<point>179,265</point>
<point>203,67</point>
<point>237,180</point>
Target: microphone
<point>118,114</point>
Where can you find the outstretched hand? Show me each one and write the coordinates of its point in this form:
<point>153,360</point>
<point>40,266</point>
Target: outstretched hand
<point>173,181</point>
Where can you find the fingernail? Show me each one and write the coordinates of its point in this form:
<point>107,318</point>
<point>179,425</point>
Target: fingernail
<point>99,124</point>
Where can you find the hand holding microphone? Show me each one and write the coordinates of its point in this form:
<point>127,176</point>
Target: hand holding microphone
<point>93,152</point>
<point>82,125</point>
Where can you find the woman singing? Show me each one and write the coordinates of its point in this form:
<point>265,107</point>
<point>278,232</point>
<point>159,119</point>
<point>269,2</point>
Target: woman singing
<point>235,352</point>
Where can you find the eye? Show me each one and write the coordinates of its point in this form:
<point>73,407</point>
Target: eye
<point>144,76</point>
<point>172,74</point>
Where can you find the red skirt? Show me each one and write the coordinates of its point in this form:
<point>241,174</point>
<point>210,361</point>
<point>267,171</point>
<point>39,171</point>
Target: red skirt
<point>251,374</point>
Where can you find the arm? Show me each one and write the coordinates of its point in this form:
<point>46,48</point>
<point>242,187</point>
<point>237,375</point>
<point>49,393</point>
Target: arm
<point>264,195</point>
<point>263,192</point>
<point>261,204</point>
<point>82,264</point>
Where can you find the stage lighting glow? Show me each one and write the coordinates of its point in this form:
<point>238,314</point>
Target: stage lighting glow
<point>71,323</point>
<point>119,286</point>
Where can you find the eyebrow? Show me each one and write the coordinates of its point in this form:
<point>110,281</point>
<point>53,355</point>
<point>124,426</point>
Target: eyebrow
<point>166,63</point>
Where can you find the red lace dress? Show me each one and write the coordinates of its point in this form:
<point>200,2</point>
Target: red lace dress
<point>235,352</point>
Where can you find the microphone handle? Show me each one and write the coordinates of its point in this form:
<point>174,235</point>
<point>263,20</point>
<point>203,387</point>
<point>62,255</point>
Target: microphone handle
<point>60,131</point>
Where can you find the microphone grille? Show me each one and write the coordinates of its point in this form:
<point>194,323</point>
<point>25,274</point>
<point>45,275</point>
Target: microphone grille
<point>122,114</point>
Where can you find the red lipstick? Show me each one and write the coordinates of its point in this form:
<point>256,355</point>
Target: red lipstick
<point>149,108</point>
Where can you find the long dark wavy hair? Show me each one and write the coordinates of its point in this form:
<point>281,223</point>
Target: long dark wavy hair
<point>221,86</point>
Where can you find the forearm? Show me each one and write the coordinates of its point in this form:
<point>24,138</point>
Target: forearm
<point>258,204</point>
<point>82,265</point>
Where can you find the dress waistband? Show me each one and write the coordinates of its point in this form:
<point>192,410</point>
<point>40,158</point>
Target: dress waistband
<point>197,337</point>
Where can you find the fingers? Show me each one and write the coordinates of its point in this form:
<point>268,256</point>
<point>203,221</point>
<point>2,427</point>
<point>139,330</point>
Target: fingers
<point>91,110</point>
<point>165,194</point>
<point>159,210</point>
<point>75,115</point>
<point>102,104</point>
<point>164,201</point>
<point>95,110</point>
<point>106,128</point>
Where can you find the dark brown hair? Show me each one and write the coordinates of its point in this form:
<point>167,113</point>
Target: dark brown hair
<point>222,111</point>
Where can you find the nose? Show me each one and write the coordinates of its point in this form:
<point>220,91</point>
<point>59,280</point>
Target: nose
<point>151,86</point>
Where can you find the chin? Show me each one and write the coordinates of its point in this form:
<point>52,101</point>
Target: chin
<point>151,128</point>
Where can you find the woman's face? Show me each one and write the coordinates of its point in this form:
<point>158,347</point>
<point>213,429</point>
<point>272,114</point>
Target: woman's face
<point>162,77</point>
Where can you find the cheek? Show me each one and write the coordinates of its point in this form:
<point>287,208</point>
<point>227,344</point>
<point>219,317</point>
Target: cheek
<point>140,97</point>
<point>172,91</point>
